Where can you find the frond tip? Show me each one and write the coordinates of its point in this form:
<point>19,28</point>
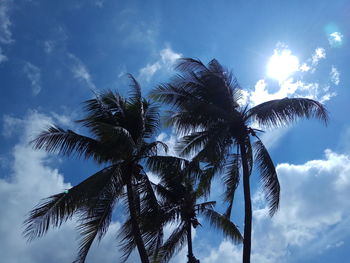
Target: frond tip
<point>276,113</point>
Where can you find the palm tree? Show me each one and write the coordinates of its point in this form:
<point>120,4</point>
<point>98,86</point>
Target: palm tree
<point>207,111</point>
<point>121,131</point>
<point>181,202</point>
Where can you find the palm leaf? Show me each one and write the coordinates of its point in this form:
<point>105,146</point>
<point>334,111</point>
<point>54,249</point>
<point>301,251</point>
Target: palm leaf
<point>95,221</point>
<point>56,139</point>
<point>223,224</point>
<point>280,112</point>
<point>174,243</point>
<point>231,181</point>
<point>268,175</point>
<point>56,209</point>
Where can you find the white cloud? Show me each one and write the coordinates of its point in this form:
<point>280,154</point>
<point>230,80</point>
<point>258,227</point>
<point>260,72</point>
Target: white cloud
<point>149,70</point>
<point>320,53</point>
<point>335,75</point>
<point>167,58</point>
<point>33,73</point>
<point>32,178</point>
<point>335,39</point>
<point>314,214</point>
<point>81,73</point>
<point>304,67</point>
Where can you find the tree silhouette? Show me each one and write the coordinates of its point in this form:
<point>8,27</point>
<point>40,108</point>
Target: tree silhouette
<point>182,201</point>
<point>121,131</point>
<point>219,131</point>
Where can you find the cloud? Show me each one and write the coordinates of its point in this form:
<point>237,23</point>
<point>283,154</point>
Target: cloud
<point>49,46</point>
<point>33,73</point>
<point>149,70</point>
<point>5,23</point>
<point>335,39</point>
<point>137,31</point>
<point>99,3</point>
<point>335,75</point>
<point>32,177</point>
<point>314,214</point>
<point>3,58</point>
<point>81,73</point>
<point>166,60</point>
<point>320,53</point>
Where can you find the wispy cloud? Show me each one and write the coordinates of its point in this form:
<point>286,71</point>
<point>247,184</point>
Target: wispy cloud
<point>49,46</point>
<point>5,22</point>
<point>81,73</point>
<point>33,73</point>
<point>335,75</point>
<point>99,3</point>
<point>166,59</point>
<point>3,58</point>
<point>335,39</point>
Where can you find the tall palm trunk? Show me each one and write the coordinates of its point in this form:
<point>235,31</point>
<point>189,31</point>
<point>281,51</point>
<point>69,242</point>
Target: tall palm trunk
<point>247,237</point>
<point>190,256</point>
<point>134,222</point>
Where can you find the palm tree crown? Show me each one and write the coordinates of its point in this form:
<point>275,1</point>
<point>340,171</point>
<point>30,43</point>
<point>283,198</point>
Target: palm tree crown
<point>121,131</point>
<point>219,130</point>
<point>181,200</point>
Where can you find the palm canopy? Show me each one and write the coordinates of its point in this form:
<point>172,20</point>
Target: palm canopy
<point>181,200</point>
<point>207,112</point>
<point>120,131</point>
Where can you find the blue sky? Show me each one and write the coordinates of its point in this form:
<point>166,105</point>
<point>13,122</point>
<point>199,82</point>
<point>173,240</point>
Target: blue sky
<point>53,54</point>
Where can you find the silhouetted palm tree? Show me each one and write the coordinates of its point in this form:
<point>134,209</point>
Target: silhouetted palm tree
<point>182,201</point>
<point>206,102</point>
<point>121,130</point>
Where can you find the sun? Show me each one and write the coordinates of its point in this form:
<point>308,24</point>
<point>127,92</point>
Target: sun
<point>282,64</point>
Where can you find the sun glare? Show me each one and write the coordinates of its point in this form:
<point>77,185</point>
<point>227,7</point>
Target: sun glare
<point>282,64</point>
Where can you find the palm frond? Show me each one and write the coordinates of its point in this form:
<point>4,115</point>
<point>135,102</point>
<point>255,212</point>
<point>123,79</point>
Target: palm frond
<point>174,243</point>
<point>189,65</point>
<point>151,117</point>
<point>268,174</point>
<point>56,139</point>
<point>281,112</point>
<point>152,149</point>
<point>231,181</point>
<point>127,240</point>
<point>135,91</point>
<point>163,165</point>
<point>56,209</point>
<point>222,223</point>
<point>95,221</point>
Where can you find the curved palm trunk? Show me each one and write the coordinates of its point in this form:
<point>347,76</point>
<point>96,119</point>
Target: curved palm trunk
<point>135,226</point>
<point>247,238</point>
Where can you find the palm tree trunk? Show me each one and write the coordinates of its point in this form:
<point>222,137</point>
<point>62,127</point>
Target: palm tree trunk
<point>247,238</point>
<point>135,226</point>
<point>191,258</point>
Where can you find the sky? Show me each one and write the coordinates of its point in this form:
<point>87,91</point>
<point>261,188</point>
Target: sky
<point>55,54</point>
